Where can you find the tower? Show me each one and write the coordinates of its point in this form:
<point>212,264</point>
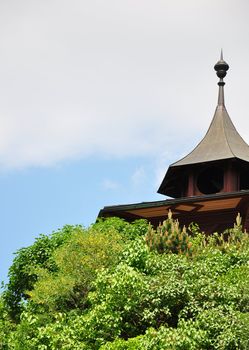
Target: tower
<point>210,185</point>
<point>218,164</point>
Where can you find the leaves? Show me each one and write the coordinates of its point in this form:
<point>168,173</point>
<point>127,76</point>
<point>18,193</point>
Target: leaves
<point>169,237</point>
<point>22,275</point>
<point>78,260</point>
<point>108,288</point>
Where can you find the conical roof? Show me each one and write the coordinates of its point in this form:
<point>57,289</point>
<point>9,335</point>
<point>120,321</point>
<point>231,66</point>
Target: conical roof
<point>222,140</point>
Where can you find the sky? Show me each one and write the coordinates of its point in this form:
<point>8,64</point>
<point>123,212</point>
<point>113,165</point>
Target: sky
<point>98,97</point>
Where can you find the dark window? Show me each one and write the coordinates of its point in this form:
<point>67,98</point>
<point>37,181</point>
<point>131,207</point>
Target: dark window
<point>244,179</point>
<point>210,180</point>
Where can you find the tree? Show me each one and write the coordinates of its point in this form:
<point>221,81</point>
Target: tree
<point>77,263</point>
<point>109,288</point>
<point>22,275</point>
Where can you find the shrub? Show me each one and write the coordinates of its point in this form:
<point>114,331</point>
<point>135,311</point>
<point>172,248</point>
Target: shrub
<point>169,237</point>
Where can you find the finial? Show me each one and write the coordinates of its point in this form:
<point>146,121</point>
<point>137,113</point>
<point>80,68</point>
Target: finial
<point>221,68</point>
<point>221,55</point>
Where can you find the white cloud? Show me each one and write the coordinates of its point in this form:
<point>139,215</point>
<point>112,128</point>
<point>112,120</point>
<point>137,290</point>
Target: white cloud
<point>110,184</point>
<point>138,177</point>
<point>114,77</point>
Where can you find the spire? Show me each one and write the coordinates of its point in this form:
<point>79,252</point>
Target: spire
<point>221,68</point>
<point>221,142</point>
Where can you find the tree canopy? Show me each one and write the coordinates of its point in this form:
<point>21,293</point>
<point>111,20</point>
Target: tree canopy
<point>122,286</point>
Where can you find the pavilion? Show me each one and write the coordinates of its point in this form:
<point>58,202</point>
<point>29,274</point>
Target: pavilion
<point>210,185</point>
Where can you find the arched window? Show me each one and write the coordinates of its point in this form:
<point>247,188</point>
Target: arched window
<point>210,180</point>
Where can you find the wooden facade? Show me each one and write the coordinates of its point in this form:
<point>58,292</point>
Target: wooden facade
<point>212,212</point>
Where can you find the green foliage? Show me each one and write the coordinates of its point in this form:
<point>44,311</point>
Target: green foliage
<point>230,239</point>
<point>21,273</point>
<point>136,254</point>
<point>117,305</point>
<point>6,325</point>
<point>129,231</point>
<point>122,286</point>
<point>214,329</point>
<point>168,237</point>
<point>165,338</point>
<point>36,333</point>
<point>78,260</point>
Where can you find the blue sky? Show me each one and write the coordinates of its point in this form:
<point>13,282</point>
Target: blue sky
<point>98,97</point>
<point>40,200</point>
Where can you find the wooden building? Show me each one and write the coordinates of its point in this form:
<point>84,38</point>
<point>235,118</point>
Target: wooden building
<point>210,185</point>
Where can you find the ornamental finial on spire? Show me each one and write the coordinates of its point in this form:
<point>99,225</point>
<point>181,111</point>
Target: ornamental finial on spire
<point>221,68</point>
<point>221,54</point>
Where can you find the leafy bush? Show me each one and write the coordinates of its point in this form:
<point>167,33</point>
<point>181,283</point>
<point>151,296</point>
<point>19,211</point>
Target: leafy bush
<point>22,275</point>
<point>168,237</point>
<point>78,260</point>
<point>122,286</point>
<point>129,231</point>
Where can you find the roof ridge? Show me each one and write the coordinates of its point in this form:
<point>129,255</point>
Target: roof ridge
<point>223,107</point>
